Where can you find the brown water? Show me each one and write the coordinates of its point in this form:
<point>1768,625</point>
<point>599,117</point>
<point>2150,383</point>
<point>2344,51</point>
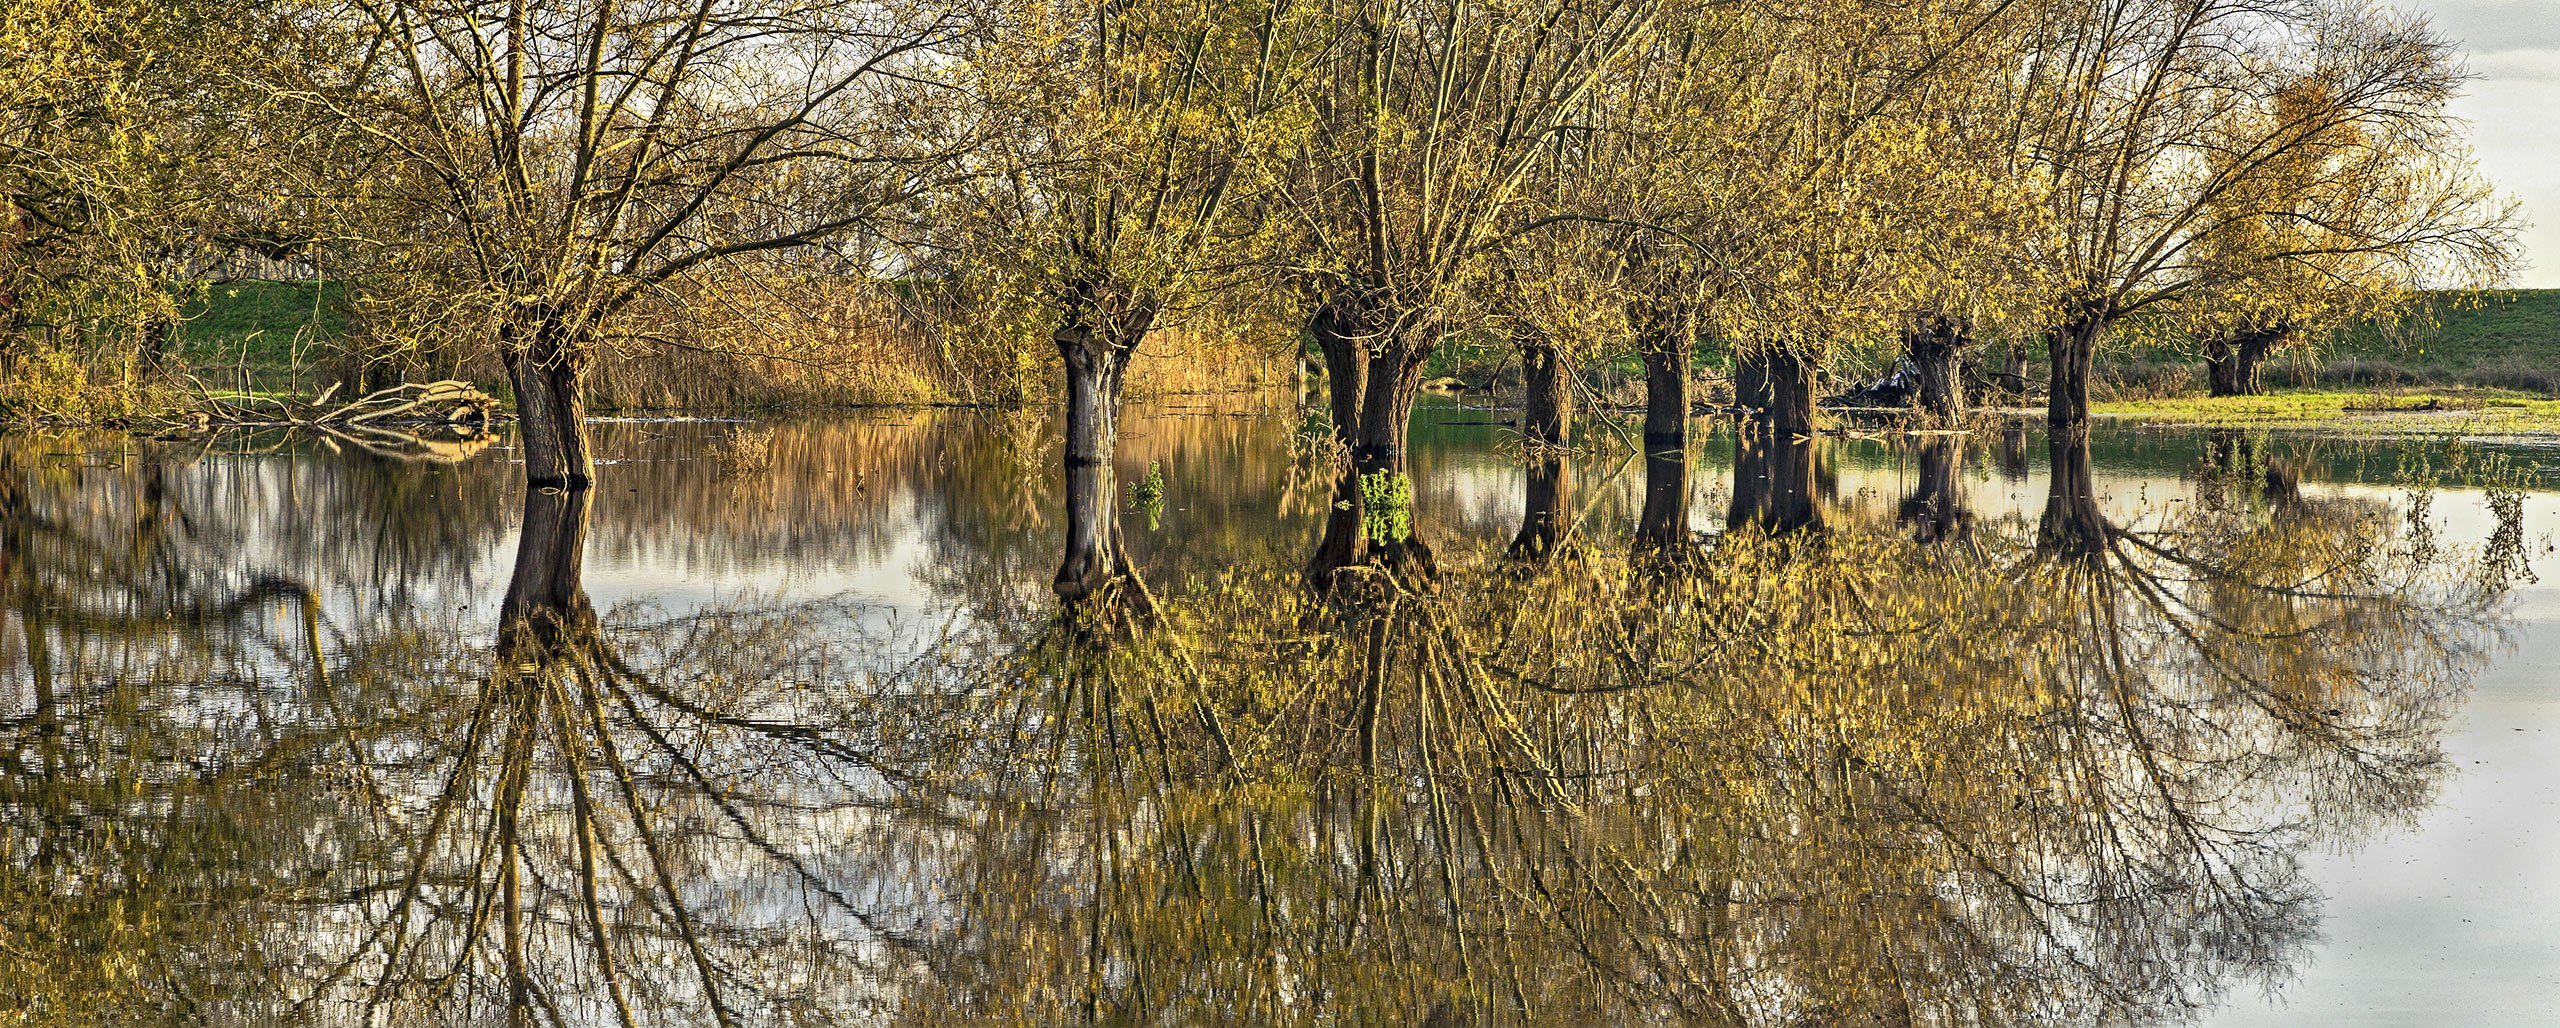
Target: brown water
<point>779,725</point>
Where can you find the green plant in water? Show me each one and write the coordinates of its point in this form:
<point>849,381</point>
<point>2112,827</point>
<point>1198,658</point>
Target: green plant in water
<point>1387,506</point>
<point>1146,496</point>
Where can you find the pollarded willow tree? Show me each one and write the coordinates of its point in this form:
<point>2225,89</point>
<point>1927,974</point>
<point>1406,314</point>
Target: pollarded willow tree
<point>2151,116</point>
<point>1808,176</point>
<point>1126,180</point>
<point>556,177</point>
<point>1431,120</point>
<point>2343,229</point>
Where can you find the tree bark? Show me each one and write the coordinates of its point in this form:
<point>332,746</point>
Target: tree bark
<point>1375,378</point>
<point>1341,330</point>
<point>2074,347</point>
<point>1666,392</point>
<point>1935,346</point>
<point>1386,425</point>
<point>1546,416</point>
<point>548,370</point>
<point>1095,367</point>
<point>1776,387</point>
<point>2232,361</point>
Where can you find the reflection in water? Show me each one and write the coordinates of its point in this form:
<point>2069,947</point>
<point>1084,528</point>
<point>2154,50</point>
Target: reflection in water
<point>1829,772</point>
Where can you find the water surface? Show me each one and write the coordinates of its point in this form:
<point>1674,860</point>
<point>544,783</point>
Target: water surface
<point>779,725</point>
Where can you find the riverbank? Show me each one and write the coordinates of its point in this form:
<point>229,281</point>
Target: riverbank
<point>2463,412</point>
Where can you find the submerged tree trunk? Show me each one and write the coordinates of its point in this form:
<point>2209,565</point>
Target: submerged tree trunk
<point>1375,378</point>
<point>1666,391</point>
<point>548,370</point>
<point>1662,529</point>
<point>2232,361</point>
<point>1546,431</point>
<point>1776,388</point>
<point>2074,348</point>
<point>1381,460</point>
<point>1936,511</point>
<point>1341,331</point>
<point>1095,366</point>
<point>1935,345</point>
<point>2073,526</point>
<point>1546,409</point>
<point>1774,483</point>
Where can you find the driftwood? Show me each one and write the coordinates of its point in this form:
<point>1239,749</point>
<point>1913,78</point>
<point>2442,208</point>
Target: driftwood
<point>443,422</point>
<point>447,402</point>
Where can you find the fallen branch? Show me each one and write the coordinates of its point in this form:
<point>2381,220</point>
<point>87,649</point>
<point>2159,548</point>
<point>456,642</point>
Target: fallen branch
<point>447,402</point>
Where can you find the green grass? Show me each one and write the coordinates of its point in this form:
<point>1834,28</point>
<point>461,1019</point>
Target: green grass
<point>2506,339</point>
<point>2452,411</point>
<point>247,335</point>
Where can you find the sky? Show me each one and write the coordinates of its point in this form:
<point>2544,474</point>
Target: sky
<point>2514,109</point>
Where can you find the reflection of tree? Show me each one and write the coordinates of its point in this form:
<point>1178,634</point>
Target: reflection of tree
<point>1936,510</point>
<point>1775,484</point>
<point>1864,784</point>
<point>1662,529</point>
<point>1872,788</point>
<point>1547,520</point>
<point>616,822</point>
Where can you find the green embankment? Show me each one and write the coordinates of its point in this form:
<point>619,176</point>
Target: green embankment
<point>2489,356</point>
<point>259,336</point>
<point>2507,339</point>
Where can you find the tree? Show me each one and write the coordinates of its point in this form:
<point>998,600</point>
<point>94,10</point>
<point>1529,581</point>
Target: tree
<point>120,152</point>
<point>1431,117</point>
<point>573,175</point>
<point>2342,229</point>
<point>1125,184</point>
<point>2152,114</point>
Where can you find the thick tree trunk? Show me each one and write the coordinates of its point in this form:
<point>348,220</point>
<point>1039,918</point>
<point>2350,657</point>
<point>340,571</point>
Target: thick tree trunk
<point>548,371</point>
<point>1776,388</point>
<point>1936,511</point>
<point>1548,520</point>
<point>1375,378</point>
<point>2073,526</point>
<point>1935,346</point>
<point>1774,483</point>
<point>1342,334</point>
<point>2232,362</point>
<point>1546,430</point>
<point>1666,392</point>
<point>1094,368</point>
<point>1546,409</point>
<point>1382,462</point>
<point>2074,348</point>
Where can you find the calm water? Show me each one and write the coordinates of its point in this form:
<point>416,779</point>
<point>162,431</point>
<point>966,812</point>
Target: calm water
<point>779,725</point>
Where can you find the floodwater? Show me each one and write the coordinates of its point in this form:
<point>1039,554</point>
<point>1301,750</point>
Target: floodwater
<point>780,725</point>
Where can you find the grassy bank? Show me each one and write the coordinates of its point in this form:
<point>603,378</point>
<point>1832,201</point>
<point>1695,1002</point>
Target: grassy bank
<point>255,336</point>
<point>2446,411</point>
<point>2508,339</point>
<point>810,349</point>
